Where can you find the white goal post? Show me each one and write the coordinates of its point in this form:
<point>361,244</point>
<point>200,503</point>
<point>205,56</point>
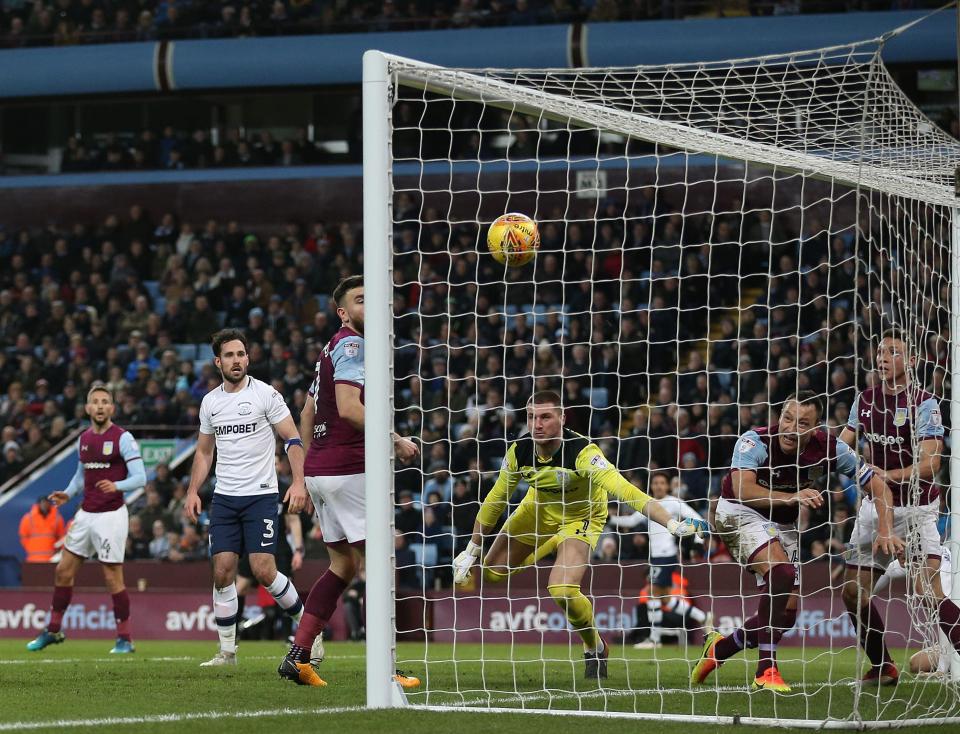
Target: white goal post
<point>826,131</point>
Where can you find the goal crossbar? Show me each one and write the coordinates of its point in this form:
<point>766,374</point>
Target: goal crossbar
<point>893,178</point>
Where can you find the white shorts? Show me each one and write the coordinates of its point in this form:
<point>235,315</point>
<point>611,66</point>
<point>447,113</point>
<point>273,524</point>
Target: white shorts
<point>341,507</point>
<point>746,532</point>
<point>100,534</point>
<point>916,526</point>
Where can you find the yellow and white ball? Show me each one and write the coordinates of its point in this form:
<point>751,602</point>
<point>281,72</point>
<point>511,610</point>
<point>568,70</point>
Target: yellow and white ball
<point>513,239</point>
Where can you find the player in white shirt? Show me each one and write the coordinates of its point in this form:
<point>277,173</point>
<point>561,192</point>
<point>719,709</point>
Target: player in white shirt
<point>239,419</point>
<point>664,560</point>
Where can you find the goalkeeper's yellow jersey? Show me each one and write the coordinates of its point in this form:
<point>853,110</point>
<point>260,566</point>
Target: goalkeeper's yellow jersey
<point>571,485</point>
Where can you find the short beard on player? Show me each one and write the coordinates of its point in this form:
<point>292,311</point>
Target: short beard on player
<point>231,379</point>
<point>99,423</point>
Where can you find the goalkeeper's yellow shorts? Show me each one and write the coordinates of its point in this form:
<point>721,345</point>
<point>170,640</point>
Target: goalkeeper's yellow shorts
<point>535,526</point>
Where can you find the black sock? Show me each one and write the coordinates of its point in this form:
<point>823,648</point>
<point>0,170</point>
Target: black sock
<point>299,654</point>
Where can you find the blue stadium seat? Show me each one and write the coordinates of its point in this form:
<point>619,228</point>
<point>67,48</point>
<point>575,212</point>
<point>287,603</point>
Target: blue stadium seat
<point>204,352</point>
<point>198,364</point>
<point>159,305</point>
<point>323,301</point>
<point>599,397</point>
<point>153,288</point>
<point>186,351</point>
<point>426,556</point>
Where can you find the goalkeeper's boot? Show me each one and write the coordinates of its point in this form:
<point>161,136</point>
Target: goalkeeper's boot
<point>595,663</point>
<point>883,675</point>
<point>45,639</point>
<point>708,659</point>
<point>303,674</point>
<point>770,680</point>
<point>122,647</point>
<point>406,680</point>
<point>221,658</point>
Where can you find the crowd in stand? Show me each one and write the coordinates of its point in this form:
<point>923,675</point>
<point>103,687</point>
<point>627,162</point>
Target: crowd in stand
<point>65,22</point>
<point>175,150</point>
<point>618,331</point>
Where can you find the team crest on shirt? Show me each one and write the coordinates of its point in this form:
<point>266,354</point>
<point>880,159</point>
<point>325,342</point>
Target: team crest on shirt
<point>107,448</point>
<point>562,478</point>
<point>900,417</point>
<point>245,408</point>
<point>599,462</point>
<point>351,349</point>
<point>772,530</point>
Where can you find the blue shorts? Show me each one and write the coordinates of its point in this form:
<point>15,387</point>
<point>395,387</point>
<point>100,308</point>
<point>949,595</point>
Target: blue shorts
<point>244,524</point>
<point>661,570</point>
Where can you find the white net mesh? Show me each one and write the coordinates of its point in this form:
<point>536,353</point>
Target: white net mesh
<point>715,237</point>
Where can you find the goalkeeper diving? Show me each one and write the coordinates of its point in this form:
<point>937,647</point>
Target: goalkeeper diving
<point>564,510</point>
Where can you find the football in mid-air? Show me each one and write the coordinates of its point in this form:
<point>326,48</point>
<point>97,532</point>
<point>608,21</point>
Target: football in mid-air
<point>513,239</point>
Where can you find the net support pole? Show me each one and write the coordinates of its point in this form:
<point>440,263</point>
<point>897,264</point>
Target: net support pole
<point>954,542</point>
<point>378,446</point>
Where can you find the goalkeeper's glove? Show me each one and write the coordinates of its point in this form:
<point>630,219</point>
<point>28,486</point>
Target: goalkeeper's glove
<point>464,562</point>
<point>687,526</point>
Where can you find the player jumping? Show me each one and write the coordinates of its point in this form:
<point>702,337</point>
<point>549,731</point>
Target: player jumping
<point>565,510</point>
<point>891,418</point>
<point>332,422</point>
<point>771,476</point>
<point>238,418</point>
<point>110,466</point>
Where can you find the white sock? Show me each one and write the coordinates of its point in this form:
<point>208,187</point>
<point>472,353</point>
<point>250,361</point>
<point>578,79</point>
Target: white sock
<point>286,596</point>
<point>655,616</point>
<point>225,612</point>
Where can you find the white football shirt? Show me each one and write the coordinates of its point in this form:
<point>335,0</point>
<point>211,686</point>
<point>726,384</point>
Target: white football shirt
<point>663,544</point>
<point>243,423</point>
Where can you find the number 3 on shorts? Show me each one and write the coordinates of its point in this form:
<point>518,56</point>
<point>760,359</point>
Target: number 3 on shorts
<point>268,533</point>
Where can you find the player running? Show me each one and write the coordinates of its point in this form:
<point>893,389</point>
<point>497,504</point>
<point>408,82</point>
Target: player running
<point>771,477</point>
<point>110,466</point>
<point>565,510</point>
<point>332,421</point>
<point>239,418</point>
<point>903,432</point>
<point>664,562</point>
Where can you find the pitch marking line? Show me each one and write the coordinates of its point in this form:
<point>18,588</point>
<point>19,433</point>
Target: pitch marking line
<point>172,718</point>
<point>94,660</point>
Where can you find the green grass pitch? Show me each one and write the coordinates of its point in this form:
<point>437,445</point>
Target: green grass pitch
<point>77,686</point>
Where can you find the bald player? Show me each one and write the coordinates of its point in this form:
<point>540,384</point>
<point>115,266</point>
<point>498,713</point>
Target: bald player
<point>772,475</point>
<point>110,467</point>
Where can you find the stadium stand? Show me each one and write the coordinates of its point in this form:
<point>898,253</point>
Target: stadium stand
<point>67,22</point>
<point>132,300</point>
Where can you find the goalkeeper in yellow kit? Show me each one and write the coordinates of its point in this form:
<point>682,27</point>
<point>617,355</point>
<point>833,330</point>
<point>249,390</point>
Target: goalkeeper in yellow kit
<point>564,510</point>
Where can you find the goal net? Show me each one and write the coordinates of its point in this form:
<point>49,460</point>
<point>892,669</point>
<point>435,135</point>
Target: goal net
<point>714,237</point>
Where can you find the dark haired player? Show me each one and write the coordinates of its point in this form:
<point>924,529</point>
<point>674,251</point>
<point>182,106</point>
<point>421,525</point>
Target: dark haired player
<point>238,419</point>
<point>332,422</point>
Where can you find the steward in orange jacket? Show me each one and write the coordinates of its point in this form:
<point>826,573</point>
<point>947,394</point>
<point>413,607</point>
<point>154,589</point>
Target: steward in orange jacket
<point>40,531</point>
